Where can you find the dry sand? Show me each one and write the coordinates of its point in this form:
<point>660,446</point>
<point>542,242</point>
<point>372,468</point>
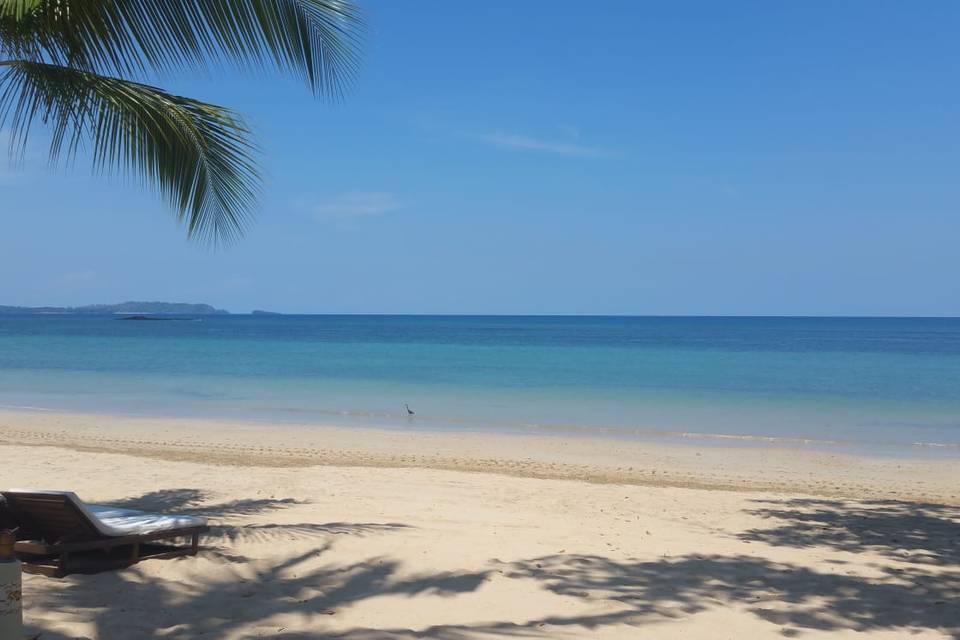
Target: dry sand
<point>367,535</point>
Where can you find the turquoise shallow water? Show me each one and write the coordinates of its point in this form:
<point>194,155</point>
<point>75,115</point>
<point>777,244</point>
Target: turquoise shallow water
<point>880,381</point>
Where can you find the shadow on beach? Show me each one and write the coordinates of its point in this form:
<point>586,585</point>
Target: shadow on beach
<point>914,589</point>
<point>197,502</point>
<point>914,532</point>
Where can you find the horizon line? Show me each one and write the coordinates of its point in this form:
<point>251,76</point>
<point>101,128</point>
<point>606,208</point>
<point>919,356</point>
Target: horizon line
<point>265,312</point>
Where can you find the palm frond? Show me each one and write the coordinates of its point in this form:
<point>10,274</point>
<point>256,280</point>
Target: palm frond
<point>18,8</point>
<point>197,154</point>
<point>315,39</point>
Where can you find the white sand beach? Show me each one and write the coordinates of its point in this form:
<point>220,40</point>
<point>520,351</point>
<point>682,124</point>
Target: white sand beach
<point>366,535</point>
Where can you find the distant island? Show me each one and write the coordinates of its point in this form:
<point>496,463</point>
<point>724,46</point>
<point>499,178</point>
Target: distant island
<point>134,308</point>
<point>261,312</point>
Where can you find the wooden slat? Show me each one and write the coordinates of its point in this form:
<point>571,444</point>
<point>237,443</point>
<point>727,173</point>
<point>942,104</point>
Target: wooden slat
<point>39,547</point>
<point>62,529</point>
<point>55,566</point>
<point>52,517</point>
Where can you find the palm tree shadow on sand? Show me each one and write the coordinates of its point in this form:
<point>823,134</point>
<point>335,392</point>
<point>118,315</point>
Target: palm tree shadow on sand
<point>199,502</point>
<point>223,534</point>
<point>918,533</point>
<point>900,595</point>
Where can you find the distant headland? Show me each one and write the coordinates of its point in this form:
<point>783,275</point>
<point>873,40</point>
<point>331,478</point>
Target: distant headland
<point>123,308</point>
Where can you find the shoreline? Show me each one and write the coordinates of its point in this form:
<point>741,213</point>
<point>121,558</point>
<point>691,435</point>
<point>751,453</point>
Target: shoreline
<point>372,535</point>
<point>725,464</point>
<point>905,449</point>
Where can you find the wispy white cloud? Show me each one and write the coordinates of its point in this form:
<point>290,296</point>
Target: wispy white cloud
<point>238,283</point>
<point>353,205</point>
<point>528,143</point>
<point>79,277</point>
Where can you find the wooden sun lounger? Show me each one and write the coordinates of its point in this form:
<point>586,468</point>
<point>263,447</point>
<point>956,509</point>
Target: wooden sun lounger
<point>60,534</point>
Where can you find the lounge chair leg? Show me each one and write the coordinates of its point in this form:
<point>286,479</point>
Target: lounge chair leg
<point>62,563</point>
<point>135,553</point>
<point>194,544</point>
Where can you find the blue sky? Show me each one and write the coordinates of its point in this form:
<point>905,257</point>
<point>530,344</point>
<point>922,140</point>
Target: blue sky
<point>560,157</point>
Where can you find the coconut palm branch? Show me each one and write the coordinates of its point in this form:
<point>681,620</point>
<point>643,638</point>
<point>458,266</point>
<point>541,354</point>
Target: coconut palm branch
<point>82,68</point>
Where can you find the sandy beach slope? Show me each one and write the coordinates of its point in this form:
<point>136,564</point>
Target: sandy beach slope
<point>368,535</point>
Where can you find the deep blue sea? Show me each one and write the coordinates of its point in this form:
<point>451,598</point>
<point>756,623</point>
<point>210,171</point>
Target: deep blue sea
<point>879,381</point>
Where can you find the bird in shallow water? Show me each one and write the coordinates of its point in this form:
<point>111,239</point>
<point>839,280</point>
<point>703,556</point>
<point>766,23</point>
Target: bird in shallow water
<point>409,410</point>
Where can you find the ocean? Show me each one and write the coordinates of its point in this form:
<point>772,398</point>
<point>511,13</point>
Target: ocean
<point>887,383</point>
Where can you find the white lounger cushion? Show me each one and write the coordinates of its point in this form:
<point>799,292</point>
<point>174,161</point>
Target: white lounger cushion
<point>124,522</point>
<point>115,522</point>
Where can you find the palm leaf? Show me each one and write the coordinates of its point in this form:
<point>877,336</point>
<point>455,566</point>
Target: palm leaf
<point>18,8</point>
<point>315,39</point>
<point>197,154</point>
<point>66,58</point>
